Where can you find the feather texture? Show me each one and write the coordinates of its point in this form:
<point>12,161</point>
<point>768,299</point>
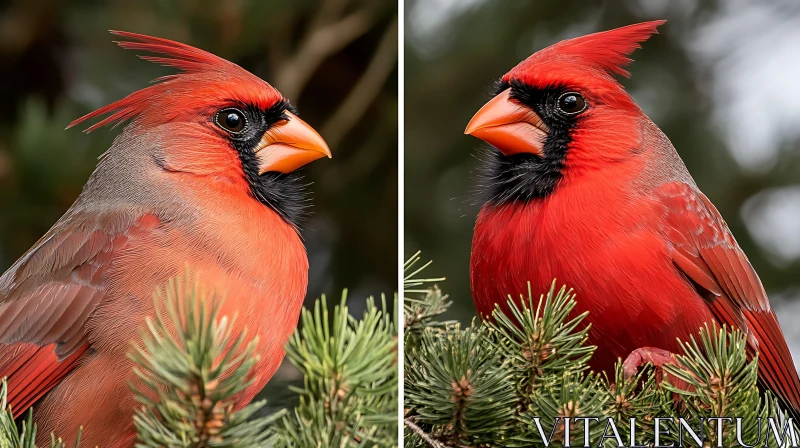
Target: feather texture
<point>737,299</point>
<point>203,76</point>
<point>606,51</point>
<point>170,195</point>
<point>625,225</point>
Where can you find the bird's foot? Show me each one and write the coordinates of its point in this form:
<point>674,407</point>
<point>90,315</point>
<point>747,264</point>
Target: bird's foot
<point>656,356</point>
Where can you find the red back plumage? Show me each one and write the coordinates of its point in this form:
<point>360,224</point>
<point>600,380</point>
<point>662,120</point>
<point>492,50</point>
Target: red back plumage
<point>605,53</point>
<point>203,76</point>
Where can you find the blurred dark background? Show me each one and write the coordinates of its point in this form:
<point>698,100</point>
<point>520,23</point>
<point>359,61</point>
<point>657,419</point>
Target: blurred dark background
<point>336,60</point>
<point>720,80</point>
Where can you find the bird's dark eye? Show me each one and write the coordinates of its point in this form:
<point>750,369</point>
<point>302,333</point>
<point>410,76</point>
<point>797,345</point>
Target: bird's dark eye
<point>571,103</point>
<point>232,120</point>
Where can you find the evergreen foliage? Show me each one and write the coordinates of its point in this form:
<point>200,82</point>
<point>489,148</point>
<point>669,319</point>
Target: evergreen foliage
<point>24,436</point>
<point>191,377</point>
<point>192,366</point>
<point>350,370</point>
<point>421,306</point>
<point>505,381</point>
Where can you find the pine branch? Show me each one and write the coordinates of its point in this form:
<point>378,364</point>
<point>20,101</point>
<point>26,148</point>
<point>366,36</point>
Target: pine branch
<point>191,367</point>
<point>514,379</point>
<point>457,383</point>
<point>540,337</point>
<point>25,436</point>
<point>350,370</point>
<point>719,382</point>
<point>423,302</point>
<point>419,432</point>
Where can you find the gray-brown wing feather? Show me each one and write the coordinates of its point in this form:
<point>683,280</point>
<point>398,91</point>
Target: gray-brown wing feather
<point>47,295</point>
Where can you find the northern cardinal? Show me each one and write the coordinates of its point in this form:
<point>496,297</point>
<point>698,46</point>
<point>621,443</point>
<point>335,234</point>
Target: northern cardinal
<point>202,178</point>
<point>583,187</point>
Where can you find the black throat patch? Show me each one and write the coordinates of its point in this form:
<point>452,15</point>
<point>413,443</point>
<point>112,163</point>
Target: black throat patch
<point>286,194</point>
<point>526,177</point>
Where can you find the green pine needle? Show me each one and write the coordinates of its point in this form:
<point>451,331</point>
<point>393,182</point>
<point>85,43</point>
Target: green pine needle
<point>485,385</point>
<point>191,367</point>
<point>350,370</point>
<point>23,436</point>
<point>423,303</point>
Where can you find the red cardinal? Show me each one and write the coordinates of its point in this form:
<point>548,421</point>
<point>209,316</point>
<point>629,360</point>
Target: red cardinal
<point>204,177</point>
<point>585,188</point>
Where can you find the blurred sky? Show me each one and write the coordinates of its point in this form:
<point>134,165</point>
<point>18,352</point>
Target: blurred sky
<point>741,55</point>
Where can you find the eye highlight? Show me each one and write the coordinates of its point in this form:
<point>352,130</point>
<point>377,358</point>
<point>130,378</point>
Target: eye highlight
<point>571,103</point>
<point>231,120</point>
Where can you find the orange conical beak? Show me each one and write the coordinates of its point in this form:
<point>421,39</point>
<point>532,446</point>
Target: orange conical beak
<point>509,126</point>
<point>289,145</point>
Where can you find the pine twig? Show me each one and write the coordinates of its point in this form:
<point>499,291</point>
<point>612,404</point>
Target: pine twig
<point>496,383</point>
<point>350,370</point>
<point>423,301</point>
<point>190,366</point>
<point>409,421</point>
<point>23,436</point>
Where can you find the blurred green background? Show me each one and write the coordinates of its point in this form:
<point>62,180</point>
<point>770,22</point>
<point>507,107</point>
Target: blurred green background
<point>336,60</point>
<point>720,80</point>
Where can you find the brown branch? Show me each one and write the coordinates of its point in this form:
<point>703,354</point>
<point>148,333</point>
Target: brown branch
<point>323,40</point>
<point>366,89</point>
<point>327,12</point>
<point>423,435</point>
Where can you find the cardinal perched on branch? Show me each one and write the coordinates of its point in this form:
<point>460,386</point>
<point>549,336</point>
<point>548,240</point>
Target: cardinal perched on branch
<point>203,177</point>
<point>584,188</point>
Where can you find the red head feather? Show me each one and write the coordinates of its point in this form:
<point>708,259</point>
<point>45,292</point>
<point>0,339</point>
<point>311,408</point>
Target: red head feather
<point>605,53</point>
<point>204,78</point>
<point>587,63</point>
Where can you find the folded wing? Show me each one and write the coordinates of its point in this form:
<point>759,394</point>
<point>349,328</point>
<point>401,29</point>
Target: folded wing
<point>48,295</point>
<point>705,250</point>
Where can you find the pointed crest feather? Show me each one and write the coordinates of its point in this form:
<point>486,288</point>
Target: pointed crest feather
<point>188,59</point>
<point>606,51</point>
<point>610,50</point>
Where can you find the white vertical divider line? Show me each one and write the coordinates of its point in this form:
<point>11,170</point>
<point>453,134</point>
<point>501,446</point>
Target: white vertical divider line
<point>400,211</point>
